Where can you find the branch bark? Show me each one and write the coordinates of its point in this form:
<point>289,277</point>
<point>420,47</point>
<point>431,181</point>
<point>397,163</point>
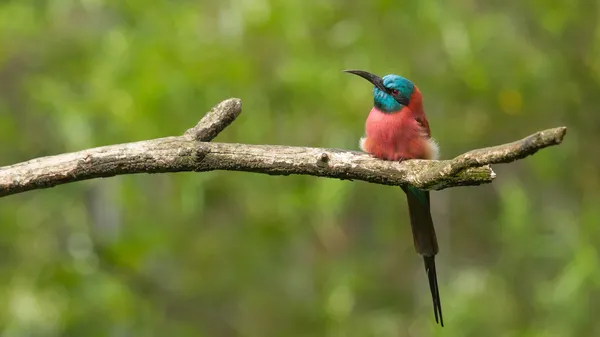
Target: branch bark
<point>192,152</point>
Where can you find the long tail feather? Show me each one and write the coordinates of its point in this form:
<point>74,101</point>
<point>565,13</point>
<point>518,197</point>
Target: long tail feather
<point>433,286</point>
<point>425,241</point>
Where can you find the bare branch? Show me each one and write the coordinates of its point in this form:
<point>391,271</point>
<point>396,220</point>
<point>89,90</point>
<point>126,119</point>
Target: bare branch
<point>190,153</point>
<point>216,120</point>
<point>505,153</point>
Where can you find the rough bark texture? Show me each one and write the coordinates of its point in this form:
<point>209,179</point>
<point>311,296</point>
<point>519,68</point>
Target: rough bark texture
<point>191,152</point>
<point>217,119</point>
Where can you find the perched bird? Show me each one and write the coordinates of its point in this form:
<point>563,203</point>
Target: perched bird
<point>397,129</point>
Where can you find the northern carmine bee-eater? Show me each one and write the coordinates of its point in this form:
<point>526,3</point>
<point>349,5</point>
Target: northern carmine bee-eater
<point>397,129</point>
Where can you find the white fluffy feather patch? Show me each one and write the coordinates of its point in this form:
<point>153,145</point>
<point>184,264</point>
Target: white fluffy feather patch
<point>434,149</point>
<point>361,143</point>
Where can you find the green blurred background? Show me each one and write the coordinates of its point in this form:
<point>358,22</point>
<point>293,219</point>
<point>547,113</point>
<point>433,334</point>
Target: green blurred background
<point>241,254</point>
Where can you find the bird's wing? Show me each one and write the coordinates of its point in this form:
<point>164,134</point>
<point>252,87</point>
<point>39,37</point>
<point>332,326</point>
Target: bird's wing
<point>422,120</point>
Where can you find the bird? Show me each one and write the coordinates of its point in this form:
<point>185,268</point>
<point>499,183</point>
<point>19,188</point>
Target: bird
<point>396,130</point>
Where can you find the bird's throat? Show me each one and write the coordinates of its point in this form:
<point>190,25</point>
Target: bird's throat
<point>386,108</point>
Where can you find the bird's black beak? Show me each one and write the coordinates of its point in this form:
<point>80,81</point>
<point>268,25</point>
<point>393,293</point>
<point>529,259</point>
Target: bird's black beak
<point>376,80</point>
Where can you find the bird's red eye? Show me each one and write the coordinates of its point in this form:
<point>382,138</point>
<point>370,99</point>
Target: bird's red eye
<point>395,91</point>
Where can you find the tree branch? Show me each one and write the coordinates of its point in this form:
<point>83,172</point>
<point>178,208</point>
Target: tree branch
<point>215,121</point>
<point>191,152</point>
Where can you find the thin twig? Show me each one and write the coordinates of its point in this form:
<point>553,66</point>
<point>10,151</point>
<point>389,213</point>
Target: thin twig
<point>190,152</point>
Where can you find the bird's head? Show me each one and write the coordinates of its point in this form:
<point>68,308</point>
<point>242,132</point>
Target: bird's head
<point>390,93</point>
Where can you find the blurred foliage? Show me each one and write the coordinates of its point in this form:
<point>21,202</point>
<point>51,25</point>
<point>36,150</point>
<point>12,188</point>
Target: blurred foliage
<point>240,254</point>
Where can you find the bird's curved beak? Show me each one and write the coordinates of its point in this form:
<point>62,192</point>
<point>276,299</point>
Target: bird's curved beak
<point>376,80</point>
